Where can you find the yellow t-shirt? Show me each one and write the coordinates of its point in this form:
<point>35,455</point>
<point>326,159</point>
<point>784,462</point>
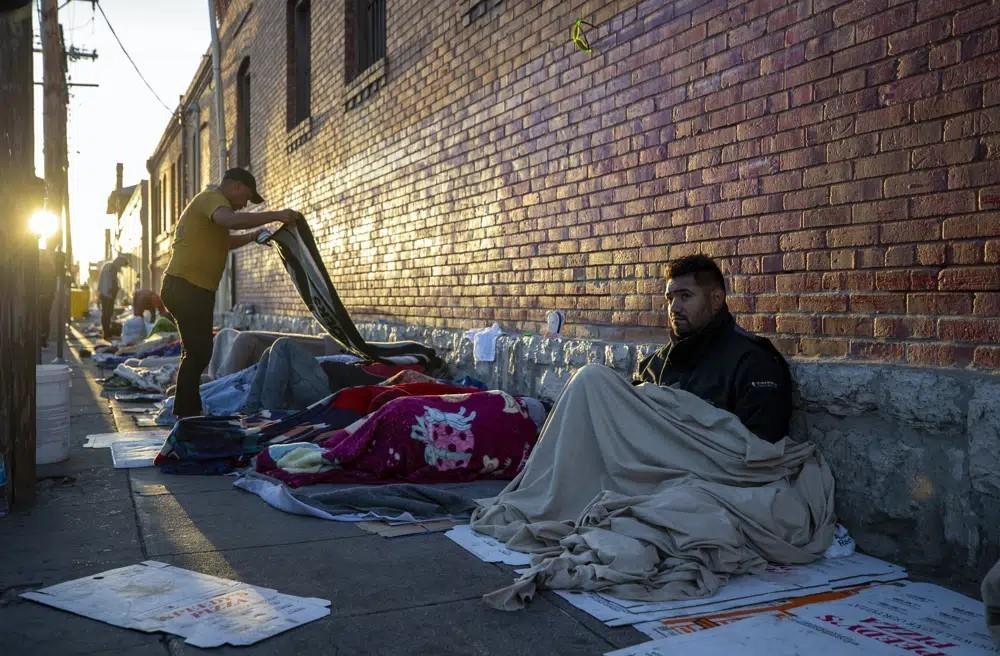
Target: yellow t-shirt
<point>200,245</point>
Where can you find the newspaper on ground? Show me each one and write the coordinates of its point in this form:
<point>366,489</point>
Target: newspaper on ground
<point>885,620</point>
<point>486,548</point>
<point>775,583</point>
<point>207,611</point>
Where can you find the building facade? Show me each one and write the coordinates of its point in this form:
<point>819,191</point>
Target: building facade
<point>838,158</point>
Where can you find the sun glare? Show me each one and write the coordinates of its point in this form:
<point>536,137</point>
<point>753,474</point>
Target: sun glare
<point>43,224</point>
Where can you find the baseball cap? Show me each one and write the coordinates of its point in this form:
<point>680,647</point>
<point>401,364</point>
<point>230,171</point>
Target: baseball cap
<point>244,176</point>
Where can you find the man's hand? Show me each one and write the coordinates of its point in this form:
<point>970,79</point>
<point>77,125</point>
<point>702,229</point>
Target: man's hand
<point>289,216</point>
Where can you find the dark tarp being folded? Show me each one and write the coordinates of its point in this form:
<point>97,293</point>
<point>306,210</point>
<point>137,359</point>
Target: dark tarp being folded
<point>298,252</point>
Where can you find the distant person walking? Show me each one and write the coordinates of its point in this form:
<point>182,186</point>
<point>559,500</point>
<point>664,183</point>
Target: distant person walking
<point>46,294</point>
<point>107,291</point>
<point>197,261</point>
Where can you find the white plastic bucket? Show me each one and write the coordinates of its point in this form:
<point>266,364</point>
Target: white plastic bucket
<point>52,413</point>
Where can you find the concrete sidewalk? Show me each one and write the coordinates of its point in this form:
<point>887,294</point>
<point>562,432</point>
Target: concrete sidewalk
<point>408,595</point>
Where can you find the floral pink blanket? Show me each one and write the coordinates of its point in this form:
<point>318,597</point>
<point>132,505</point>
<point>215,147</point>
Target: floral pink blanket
<point>419,439</point>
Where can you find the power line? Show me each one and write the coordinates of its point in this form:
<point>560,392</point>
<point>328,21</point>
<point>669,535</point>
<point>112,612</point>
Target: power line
<point>132,61</point>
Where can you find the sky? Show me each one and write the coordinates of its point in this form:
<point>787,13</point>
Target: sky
<point>121,120</point>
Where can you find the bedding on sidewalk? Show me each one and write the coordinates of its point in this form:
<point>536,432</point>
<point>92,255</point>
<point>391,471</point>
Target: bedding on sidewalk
<point>651,493</point>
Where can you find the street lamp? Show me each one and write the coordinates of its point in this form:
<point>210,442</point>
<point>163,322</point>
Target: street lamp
<point>43,224</point>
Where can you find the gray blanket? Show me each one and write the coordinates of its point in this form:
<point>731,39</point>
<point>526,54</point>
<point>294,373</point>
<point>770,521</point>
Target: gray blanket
<point>235,350</point>
<point>288,377</point>
<point>991,598</point>
<point>422,501</point>
<point>651,493</point>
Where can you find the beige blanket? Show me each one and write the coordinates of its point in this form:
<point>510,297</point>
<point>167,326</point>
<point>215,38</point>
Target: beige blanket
<point>651,493</point>
<point>991,598</point>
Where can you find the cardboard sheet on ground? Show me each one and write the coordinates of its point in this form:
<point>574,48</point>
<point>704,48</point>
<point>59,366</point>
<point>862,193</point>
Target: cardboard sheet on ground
<point>207,611</point>
<point>138,396</point>
<point>776,583</point>
<point>138,453</point>
<point>888,620</point>
<point>486,548</point>
<point>137,410</point>
<point>145,422</point>
<point>105,440</point>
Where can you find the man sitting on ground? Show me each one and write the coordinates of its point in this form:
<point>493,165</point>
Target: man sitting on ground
<point>664,488</point>
<point>713,358</point>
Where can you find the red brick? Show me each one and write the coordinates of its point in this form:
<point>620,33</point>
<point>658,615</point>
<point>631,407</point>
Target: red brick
<point>911,135</point>
<point>989,198</point>
<point>985,224</point>
<point>954,102</point>
<point>909,89</point>
<point>977,331</point>
<point>971,123</point>
<point>859,55</point>
<point>920,36</point>
<point>797,324</point>
<point>861,235</point>
<point>925,182</point>
<point>823,347</point>
<point>892,280</point>
<point>886,351</point>
<point>882,165</point>
<point>939,304</point>
<point>979,174</point>
<point>856,10</point>
<point>983,278</point>
<point>849,280</point>
<point>849,326</point>
<point>928,254</point>
<point>878,303</point>
<point>970,72</point>
<point>931,8</point>
<point>905,328</point>
<point>826,216</point>
<point>965,252</point>
<point>946,154</point>
<point>900,256</point>
<point>776,302</point>
<point>852,192</point>
<point>804,240</point>
<point>826,174</point>
<point>823,303</point>
<point>986,304</point>
<point>852,148</point>
<point>939,355</point>
<point>880,119</point>
<point>910,231</point>
<point>944,55</point>
<point>887,22</point>
<point>976,17</point>
<point>986,357</point>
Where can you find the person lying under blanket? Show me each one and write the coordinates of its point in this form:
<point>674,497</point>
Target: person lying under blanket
<point>662,487</point>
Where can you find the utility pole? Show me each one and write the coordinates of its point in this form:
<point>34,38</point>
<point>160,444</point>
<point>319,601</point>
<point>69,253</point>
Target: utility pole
<point>20,196</point>
<point>54,100</point>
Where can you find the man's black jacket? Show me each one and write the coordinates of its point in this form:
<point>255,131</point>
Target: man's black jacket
<point>730,368</point>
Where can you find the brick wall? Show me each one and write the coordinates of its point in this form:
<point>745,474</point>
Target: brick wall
<point>840,159</point>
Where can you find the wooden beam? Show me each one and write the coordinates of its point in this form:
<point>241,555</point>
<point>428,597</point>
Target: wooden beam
<point>20,196</point>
